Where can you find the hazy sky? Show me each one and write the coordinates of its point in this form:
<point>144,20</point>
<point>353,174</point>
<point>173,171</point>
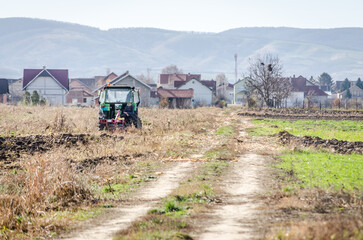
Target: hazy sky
<point>192,15</point>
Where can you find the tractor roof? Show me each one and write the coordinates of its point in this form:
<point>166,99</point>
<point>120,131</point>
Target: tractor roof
<point>119,87</point>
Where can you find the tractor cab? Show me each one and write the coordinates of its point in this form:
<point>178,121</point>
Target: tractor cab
<point>118,107</point>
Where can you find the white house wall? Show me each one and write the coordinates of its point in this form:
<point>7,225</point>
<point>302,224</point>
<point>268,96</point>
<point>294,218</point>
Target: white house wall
<point>296,99</point>
<point>49,89</point>
<point>202,94</point>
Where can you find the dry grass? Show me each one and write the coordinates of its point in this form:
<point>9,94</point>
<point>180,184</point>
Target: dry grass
<point>316,214</point>
<point>44,184</point>
<point>67,178</point>
<point>335,227</point>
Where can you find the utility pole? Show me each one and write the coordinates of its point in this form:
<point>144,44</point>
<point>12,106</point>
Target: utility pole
<point>235,78</point>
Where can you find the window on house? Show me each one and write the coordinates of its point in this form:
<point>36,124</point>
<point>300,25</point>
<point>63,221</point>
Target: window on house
<point>84,100</point>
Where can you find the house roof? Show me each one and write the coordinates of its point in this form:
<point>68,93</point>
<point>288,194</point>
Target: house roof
<point>84,92</point>
<point>109,76</point>
<point>351,89</point>
<point>164,77</point>
<point>60,75</point>
<point>175,93</point>
<point>211,84</point>
<point>314,91</point>
<point>87,82</point>
<point>299,85</point>
<point>120,78</point>
<point>178,84</point>
<point>4,86</point>
<point>153,85</point>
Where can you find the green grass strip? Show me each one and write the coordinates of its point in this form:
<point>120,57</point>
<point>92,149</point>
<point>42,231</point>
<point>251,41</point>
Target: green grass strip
<point>326,129</point>
<point>325,170</point>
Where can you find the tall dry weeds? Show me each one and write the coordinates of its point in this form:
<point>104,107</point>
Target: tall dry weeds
<point>42,185</point>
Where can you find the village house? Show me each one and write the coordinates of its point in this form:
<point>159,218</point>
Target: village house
<point>80,91</point>
<point>225,90</point>
<point>355,91</point>
<point>240,93</point>
<point>203,95</point>
<point>51,84</point>
<point>304,90</point>
<point>167,81</point>
<point>127,79</point>
<point>16,90</point>
<point>175,98</point>
<point>103,80</point>
<point>4,90</point>
<point>204,90</point>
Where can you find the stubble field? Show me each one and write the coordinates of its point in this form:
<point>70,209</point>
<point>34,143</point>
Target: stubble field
<point>61,177</point>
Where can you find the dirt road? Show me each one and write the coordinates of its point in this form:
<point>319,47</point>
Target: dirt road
<point>239,215</point>
<point>121,217</point>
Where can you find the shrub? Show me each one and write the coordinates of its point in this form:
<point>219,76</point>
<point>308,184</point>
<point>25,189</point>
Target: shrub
<point>164,103</point>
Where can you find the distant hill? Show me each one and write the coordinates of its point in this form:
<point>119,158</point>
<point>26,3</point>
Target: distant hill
<point>88,51</point>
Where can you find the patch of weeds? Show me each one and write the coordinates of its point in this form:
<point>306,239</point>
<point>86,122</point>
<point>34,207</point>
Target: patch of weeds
<point>212,170</point>
<point>156,226</point>
<point>225,130</point>
<point>170,235</point>
<point>84,215</point>
<point>221,154</point>
<point>171,207</point>
<point>117,188</point>
<point>325,170</point>
<point>80,214</point>
<point>107,206</point>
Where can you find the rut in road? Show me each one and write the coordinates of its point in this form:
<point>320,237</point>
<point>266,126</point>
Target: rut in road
<point>238,217</point>
<point>121,217</point>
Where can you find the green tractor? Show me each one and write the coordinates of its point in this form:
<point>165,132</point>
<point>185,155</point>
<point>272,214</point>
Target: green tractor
<point>118,107</point>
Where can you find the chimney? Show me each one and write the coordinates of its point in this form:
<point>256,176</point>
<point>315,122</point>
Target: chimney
<point>44,67</point>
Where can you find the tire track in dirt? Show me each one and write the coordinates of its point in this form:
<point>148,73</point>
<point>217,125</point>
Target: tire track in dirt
<point>121,217</point>
<point>238,218</point>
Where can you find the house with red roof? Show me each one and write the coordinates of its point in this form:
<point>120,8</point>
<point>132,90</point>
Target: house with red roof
<point>51,84</point>
<point>176,98</point>
<point>303,89</point>
<point>167,81</point>
<point>80,91</point>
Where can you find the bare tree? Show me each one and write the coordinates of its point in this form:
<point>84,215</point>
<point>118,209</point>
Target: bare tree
<point>266,81</point>
<point>171,69</point>
<point>148,79</point>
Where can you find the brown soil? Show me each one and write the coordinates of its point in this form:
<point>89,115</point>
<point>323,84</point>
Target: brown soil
<point>342,147</point>
<point>13,147</point>
<point>303,114</point>
<point>90,163</point>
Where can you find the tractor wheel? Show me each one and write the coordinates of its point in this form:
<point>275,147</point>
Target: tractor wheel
<point>101,127</point>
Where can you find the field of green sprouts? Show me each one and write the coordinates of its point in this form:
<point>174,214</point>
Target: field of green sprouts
<point>324,170</point>
<point>326,129</point>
